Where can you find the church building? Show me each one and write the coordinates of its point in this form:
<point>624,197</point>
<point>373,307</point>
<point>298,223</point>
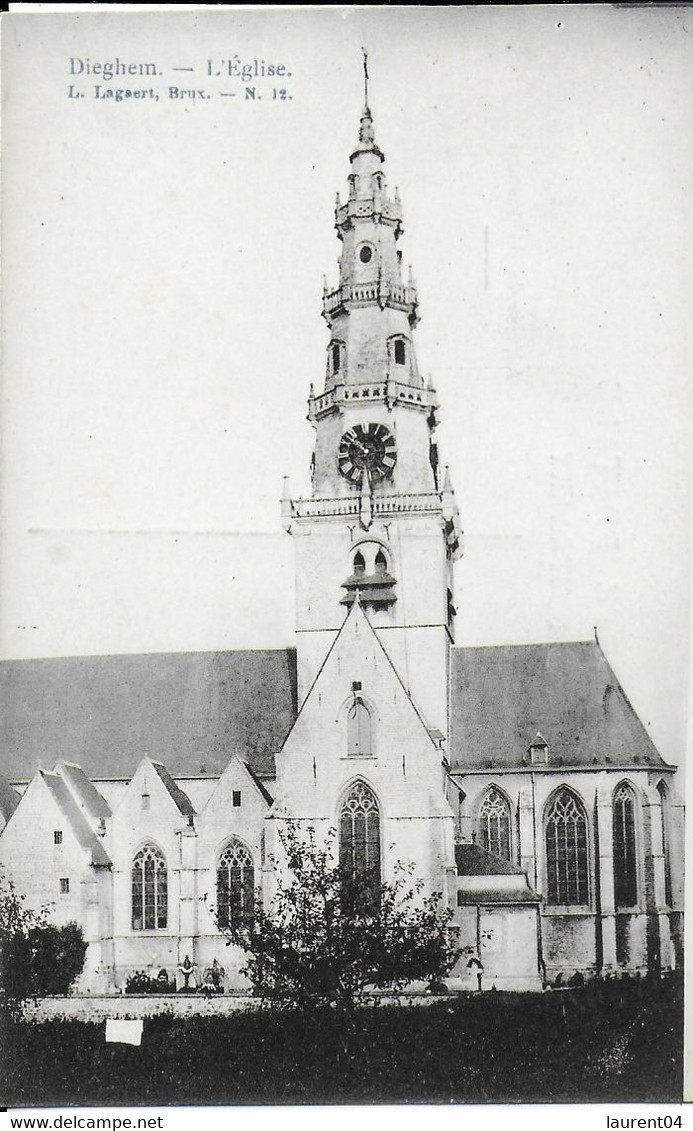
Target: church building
<point>144,792</point>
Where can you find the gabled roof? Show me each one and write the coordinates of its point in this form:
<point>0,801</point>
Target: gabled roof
<point>356,616</point>
<point>194,709</point>
<point>9,798</point>
<point>180,799</point>
<point>501,696</point>
<point>76,820</point>
<point>89,796</point>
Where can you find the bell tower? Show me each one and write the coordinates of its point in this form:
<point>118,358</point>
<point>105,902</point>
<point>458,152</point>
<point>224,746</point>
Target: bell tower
<point>380,523</point>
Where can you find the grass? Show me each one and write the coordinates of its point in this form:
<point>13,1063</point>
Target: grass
<point>605,1042</point>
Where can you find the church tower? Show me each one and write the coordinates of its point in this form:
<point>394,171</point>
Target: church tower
<point>380,523</point>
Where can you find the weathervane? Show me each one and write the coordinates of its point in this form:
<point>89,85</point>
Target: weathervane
<point>365,75</point>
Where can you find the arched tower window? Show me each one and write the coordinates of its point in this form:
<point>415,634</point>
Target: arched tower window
<point>494,824</point>
<point>359,834</point>
<point>380,562</point>
<point>235,886</point>
<point>566,851</point>
<point>359,729</point>
<point>336,357</point>
<point>149,890</point>
<point>400,352</point>
<point>359,562</point>
<point>664,814</point>
<point>625,860</point>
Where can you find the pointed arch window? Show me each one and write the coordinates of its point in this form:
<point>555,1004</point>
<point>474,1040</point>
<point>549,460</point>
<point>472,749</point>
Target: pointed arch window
<point>235,886</point>
<point>494,824</point>
<point>566,851</point>
<point>359,730</point>
<point>625,859</point>
<point>149,890</point>
<point>359,834</point>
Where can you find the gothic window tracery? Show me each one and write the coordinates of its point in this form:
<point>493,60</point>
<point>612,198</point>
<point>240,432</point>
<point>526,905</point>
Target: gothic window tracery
<point>625,858</point>
<point>566,851</point>
<point>235,886</point>
<point>359,834</point>
<point>494,824</point>
<point>149,890</point>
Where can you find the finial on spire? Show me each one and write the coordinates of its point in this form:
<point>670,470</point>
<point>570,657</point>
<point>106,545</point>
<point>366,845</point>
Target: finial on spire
<point>365,76</point>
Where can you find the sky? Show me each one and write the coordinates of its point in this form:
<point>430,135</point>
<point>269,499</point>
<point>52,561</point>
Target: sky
<point>164,264</point>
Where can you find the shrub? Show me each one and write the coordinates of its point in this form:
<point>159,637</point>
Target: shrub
<point>141,983</point>
<point>36,957</point>
<point>57,958</point>
<point>16,921</point>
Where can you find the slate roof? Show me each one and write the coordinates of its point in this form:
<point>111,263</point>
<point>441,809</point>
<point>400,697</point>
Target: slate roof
<point>263,791</point>
<point>473,860</point>
<point>189,709</point>
<point>180,799</point>
<point>501,697</point>
<point>95,805</point>
<point>193,710</point>
<point>76,820</point>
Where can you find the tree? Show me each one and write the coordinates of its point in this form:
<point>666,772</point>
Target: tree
<point>328,936</point>
<point>36,957</point>
<point>16,920</point>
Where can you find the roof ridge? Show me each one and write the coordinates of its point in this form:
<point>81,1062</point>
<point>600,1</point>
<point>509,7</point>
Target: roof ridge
<point>134,655</point>
<point>526,644</point>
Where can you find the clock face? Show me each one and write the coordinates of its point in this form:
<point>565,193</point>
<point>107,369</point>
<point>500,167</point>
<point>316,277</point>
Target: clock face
<point>367,447</point>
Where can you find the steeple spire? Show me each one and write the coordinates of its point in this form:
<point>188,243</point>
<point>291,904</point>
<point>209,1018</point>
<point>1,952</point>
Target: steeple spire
<point>366,132</point>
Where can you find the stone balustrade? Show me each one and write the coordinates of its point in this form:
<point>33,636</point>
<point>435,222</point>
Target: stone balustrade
<point>400,295</point>
<point>391,391</point>
<point>406,503</point>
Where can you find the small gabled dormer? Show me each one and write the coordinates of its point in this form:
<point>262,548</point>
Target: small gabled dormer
<point>538,751</point>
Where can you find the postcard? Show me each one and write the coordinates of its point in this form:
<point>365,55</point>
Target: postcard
<point>345,502</point>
